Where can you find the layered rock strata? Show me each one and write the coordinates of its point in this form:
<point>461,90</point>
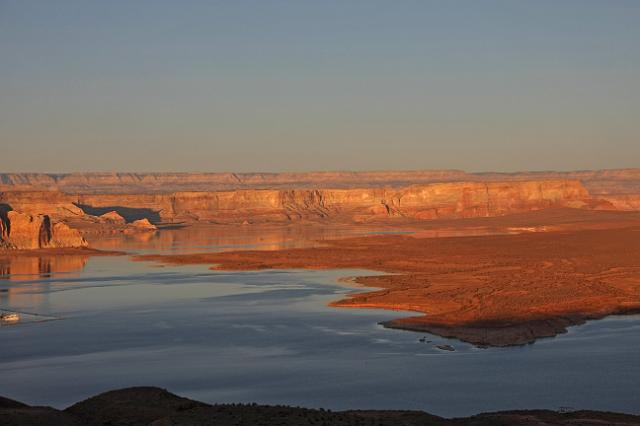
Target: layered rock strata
<point>24,231</point>
<point>433,201</point>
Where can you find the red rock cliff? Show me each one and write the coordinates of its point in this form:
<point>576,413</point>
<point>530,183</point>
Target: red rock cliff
<point>24,231</point>
<point>442,200</point>
<point>51,203</point>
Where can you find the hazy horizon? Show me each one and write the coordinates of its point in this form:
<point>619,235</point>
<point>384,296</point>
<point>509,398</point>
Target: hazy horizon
<point>312,171</point>
<point>295,86</point>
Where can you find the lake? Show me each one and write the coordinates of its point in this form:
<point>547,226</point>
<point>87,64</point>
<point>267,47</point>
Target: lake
<point>98,323</point>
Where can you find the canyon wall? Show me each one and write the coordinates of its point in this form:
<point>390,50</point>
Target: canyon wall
<point>45,216</point>
<point>441,200</point>
<point>51,202</point>
<point>615,181</point>
<point>55,204</point>
<point>25,231</point>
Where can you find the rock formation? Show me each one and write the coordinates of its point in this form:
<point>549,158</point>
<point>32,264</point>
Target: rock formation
<point>54,204</point>
<point>379,198</point>
<point>4,231</point>
<point>112,217</point>
<point>24,231</point>
<point>142,225</point>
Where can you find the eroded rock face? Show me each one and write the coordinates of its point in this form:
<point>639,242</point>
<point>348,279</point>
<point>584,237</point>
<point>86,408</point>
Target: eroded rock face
<point>477,199</point>
<point>415,202</point>
<point>55,204</point>
<point>24,231</point>
<point>433,201</point>
<point>65,236</point>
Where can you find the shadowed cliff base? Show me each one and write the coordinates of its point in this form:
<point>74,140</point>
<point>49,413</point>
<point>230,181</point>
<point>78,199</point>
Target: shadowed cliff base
<point>494,290</point>
<point>130,214</point>
<point>152,406</point>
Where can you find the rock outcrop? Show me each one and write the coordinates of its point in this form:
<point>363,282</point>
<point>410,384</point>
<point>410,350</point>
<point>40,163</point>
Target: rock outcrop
<point>24,231</point>
<point>141,225</point>
<point>55,204</point>
<point>112,217</point>
<point>4,231</point>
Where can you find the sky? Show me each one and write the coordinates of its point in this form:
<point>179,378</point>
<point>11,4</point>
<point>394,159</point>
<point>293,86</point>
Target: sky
<point>306,85</point>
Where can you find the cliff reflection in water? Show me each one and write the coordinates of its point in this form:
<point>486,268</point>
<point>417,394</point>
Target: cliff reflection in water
<point>16,269</point>
<point>21,268</point>
<point>198,238</point>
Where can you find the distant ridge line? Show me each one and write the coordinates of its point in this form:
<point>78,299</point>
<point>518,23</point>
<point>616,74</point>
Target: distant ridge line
<point>597,181</point>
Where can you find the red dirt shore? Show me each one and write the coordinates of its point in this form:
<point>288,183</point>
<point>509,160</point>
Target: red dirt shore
<point>496,290</point>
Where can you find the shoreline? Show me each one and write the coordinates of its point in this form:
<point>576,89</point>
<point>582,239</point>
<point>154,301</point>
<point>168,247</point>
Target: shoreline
<point>495,290</point>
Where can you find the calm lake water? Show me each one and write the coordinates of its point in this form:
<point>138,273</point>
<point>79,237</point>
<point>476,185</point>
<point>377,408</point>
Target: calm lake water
<point>105,322</point>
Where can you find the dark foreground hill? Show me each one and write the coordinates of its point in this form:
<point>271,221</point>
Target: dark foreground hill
<point>157,407</point>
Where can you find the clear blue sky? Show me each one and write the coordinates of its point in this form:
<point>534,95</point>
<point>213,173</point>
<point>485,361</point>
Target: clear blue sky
<point>319,85</point>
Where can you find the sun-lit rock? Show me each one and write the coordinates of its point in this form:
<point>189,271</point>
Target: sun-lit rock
<point>25,231</point>
<point>112,217</point>
<point>142,225</point>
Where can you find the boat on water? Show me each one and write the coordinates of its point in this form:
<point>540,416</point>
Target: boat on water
<point>9,317</point>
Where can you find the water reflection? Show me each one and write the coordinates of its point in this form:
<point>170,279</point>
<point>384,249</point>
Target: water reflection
<point>199,238</point>
<point>270,337</point>
<point>217,237</point>
<point>27,267</point>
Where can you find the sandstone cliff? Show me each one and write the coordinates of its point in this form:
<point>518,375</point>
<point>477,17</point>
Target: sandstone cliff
<point>54,204</point>
<point>433,201</point>
<point>24,231</point>
<point>415,202</point>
